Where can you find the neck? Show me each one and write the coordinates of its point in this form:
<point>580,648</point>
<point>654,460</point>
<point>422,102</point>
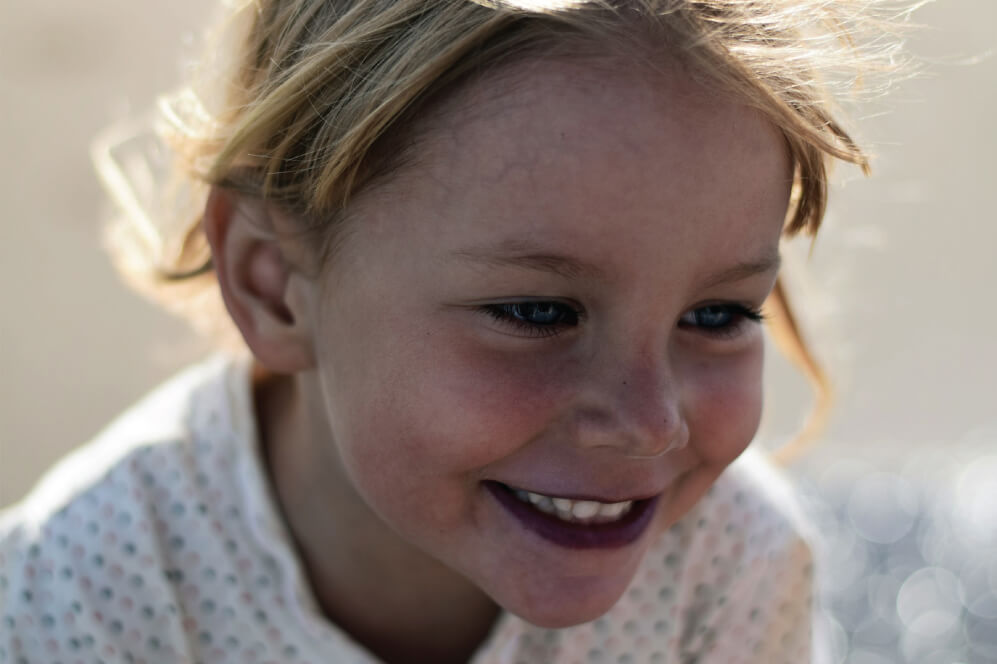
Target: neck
<point>386,594</point>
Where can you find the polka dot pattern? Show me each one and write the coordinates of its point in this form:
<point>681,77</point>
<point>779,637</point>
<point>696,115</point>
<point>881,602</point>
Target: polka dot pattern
<point>703,593</point>
<point>170,551</point>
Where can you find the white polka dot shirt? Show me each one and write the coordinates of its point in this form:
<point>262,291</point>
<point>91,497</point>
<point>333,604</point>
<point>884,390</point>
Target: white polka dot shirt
<point>159,542</point>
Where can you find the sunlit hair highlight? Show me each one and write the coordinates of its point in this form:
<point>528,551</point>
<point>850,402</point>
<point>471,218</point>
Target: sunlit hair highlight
<point>307,103</point>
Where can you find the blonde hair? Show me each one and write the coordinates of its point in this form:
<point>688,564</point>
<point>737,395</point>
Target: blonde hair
<point>320,98</point>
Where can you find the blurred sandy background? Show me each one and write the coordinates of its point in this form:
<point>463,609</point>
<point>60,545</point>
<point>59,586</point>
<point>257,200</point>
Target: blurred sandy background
<point>899,294</point>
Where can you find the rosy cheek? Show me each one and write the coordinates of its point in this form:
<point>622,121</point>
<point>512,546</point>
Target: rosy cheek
<point>724,407</point>
<point>465,407</point>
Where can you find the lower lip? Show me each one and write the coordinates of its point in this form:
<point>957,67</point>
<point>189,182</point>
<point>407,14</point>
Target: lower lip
<point>577,535</point>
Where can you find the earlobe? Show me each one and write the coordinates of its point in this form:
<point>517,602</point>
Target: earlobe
<point>255,278</point>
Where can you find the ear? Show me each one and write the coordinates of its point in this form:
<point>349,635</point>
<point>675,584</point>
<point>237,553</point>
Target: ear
<point>262,290</point>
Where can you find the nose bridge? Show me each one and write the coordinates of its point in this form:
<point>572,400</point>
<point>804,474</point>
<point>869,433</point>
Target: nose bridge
<point>639,406</point>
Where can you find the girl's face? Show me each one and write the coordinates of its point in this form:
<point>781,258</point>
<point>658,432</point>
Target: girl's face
<point>553,310</point>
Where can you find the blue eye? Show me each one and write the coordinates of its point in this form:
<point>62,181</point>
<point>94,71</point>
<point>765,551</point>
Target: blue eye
<point>536,317</point>
<point>720,318</point>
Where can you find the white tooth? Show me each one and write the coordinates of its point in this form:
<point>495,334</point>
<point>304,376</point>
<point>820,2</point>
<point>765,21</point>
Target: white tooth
<point>563,507</point>
<point>545,505</point>
<point>562,504</point>
<point>585,509</point>
<point>612,510</point>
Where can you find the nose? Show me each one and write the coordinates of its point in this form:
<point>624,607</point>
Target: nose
<point>637,411</point>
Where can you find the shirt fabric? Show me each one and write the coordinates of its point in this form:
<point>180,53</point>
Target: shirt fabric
<point>160,542</point>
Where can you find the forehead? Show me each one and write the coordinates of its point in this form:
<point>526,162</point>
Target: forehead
<point>590,151</point>
<point>562,102</point>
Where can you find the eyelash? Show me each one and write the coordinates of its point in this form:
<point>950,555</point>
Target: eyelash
<point>739,316</point>
<point>505,312</point>
<point>567,316</point>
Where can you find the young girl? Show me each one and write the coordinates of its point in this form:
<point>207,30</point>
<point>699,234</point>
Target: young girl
<point>500,268</point>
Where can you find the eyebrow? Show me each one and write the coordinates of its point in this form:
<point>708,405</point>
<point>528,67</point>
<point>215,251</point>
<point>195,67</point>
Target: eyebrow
<point>517,253</point>
<point>761,265</point>
<point>520,254</point>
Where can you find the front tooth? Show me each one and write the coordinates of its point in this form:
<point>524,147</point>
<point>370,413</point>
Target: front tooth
<point>562,505</point>
<point>613,510</point>
<point>585,509</point>
<point>588,511</point>
<point>546,505</point>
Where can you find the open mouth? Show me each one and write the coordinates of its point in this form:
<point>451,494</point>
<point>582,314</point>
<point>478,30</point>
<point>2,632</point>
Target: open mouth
<point>577,524</point>
<point>575,511</point>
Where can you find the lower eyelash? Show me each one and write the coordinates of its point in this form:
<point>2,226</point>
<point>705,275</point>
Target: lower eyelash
<point>499,313</point>
<point>732,330</point>
<point>740,315</point>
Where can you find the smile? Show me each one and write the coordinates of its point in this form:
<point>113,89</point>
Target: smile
<point>576,524</point>
<point>575,511</point>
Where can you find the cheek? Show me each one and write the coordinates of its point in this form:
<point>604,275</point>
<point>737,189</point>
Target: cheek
<point>426,425</point>
<point>493,401</point>
<point>726,406</point>
<point>441,406</point>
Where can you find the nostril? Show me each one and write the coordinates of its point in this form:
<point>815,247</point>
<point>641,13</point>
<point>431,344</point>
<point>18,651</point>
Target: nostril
<point>642,418</point>
<point>677,441</point>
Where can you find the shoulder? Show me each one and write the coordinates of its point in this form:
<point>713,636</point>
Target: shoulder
<point>762,501</point>
<point>165,422</point>
<point>742,567</point>
<point>751,515</point>
<point>732,580</point>
<point>91,542</point>
<point>159,423</point>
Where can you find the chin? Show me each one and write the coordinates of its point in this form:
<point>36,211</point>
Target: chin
<point>574,604</point>
<point>561,616</point>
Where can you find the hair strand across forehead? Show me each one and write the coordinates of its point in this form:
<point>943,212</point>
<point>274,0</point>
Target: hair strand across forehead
<point>314,100</point>
<point>321,83</point>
